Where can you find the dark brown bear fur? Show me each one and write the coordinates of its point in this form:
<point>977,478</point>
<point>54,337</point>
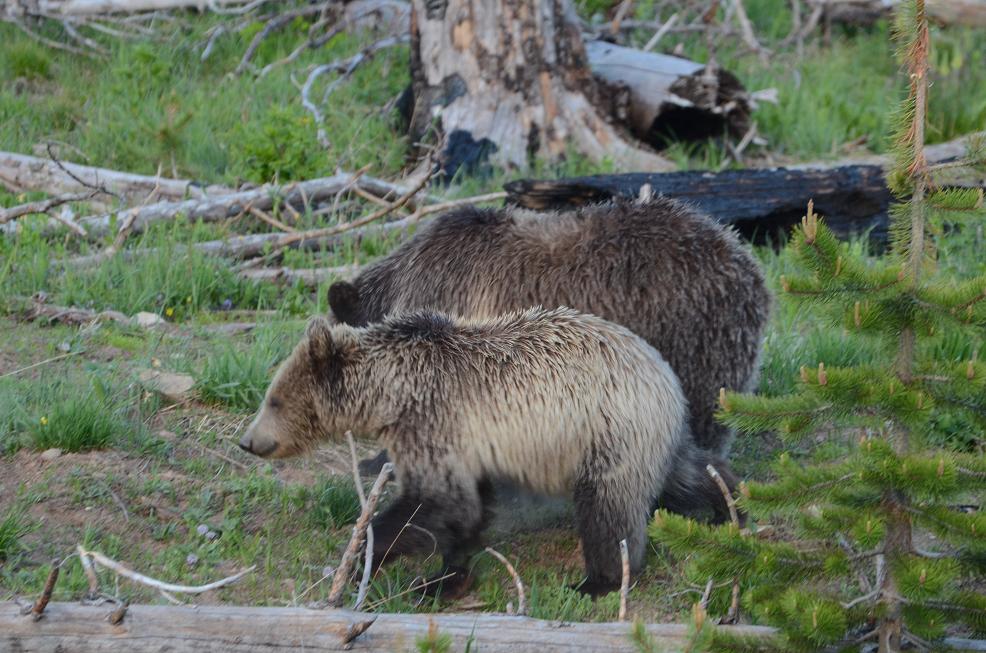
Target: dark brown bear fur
<point>681,281</point>
<point>557,402</point>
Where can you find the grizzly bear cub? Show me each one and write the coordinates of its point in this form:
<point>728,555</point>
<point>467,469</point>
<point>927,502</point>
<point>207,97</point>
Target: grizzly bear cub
<point>556,401</point>
<point>679,280</point>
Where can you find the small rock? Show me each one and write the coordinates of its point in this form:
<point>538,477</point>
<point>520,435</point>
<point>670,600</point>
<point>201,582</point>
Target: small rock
<point>174,388</point>
<point>147,320</point>
<point>50,454</point>
<point>64,347</point>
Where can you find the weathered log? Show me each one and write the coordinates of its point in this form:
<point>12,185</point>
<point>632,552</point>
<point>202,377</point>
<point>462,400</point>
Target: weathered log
<point>671,97</point>
<point>21,172</point>
<point>146,628</point>
<point>866,12</point>
<point>58,8</point>
<point>310,277</point>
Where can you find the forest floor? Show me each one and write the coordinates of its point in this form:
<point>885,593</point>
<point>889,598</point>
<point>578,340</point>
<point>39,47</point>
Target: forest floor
<point>163,487</point>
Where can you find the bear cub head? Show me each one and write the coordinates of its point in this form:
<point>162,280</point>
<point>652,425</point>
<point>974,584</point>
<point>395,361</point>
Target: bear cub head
<point>313,395</point>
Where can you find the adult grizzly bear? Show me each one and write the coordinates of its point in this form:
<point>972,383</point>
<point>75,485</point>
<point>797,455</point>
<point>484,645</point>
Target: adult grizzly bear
<point>557,401</point>
<point>681,281</point>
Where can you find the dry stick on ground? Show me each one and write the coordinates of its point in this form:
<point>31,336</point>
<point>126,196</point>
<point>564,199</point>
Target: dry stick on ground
<point>364,582</point>
<point>128,224</point>
<point>290,239</point>
<point>275,23</point>
<point>90,573</point>
<point>733,615</point>
<point>521,597</point>
<point>312,277</point>
<point>37,610</point>
<point>746,30</point>
<point>625,584</point>
<point>43,206</point>
<point>359,530</point>
<point>345,68</point>
<point>39,364</point>
<point>160,586</point>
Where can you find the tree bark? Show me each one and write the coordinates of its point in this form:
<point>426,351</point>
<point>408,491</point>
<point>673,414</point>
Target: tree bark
<point>507,81</point>
<point>230,629</point>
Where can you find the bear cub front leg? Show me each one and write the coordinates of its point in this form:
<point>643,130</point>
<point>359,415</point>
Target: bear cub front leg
<point>443,512</point>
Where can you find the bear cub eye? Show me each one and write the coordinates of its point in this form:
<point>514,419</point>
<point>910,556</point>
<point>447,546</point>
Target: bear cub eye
<point>275,403</point>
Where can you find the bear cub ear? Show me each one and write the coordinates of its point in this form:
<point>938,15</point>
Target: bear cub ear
<point>326,341</point>
<point>344,302</point>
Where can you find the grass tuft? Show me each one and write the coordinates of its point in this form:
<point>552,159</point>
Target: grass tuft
<point>12,529</point>
<point>238,376</point>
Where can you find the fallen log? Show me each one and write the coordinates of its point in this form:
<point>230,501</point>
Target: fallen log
<point>671,97</point>
<point>85,629</point>
<point>970,13</point>
<point>311,277</point>
<point>760,203</point>
<point>63,8</point>
<point>22,172</point>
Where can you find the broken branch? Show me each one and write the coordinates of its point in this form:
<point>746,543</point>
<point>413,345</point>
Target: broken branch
<point>521,599</point>
<point>359,530</point>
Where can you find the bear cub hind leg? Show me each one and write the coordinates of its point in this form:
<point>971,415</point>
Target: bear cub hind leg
<point>604,518</point>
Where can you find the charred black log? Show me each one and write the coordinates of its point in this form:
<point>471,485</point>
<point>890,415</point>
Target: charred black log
<point>763,204</point>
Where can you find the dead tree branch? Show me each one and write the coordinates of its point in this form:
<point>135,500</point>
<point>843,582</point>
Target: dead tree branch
<point>521,597</point>
<point>164,588</point>
<point>359,531</point>
<point>733,615</point>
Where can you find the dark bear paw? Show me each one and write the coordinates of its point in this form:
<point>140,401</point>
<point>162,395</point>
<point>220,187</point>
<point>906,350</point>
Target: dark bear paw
<point>594,588</point>
<point>449,584</point>
<point>372,466</point>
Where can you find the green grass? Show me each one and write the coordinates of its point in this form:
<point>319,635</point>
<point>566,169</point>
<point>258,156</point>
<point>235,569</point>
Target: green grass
<point>73,413</point>
<point>12,528</point>
<point>238,376</point>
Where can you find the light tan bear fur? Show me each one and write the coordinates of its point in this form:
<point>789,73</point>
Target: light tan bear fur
<point>556,401</point>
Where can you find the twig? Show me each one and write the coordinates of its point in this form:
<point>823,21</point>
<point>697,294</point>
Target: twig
<point>359,530</point>
<point>161,586</point>
<point>625,584</point>
<point>50,43</point>
<point>119,502</point>
<point>289,239</point>
<point>94,187</point>
<point>621,13</point>
<point>90,573</point>
<point>521,598</point>
<point>661,32</point>
<point>276,23</point>
<point>39,364</point>
<point>345,68</point>
<point>733,615</point>
<point>269,219</point>
<point>746,30</point>
<point>364,582</point>
<point>37,610</point>
<point>43,206</point>
<point>413,588</point>
<point>706,594</point>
